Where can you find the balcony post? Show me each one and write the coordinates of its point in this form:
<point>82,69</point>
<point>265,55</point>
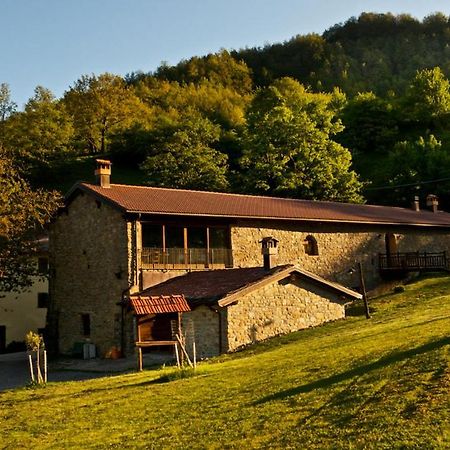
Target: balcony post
<point>207,247</point>
<point>185,240</point>
<point>164,255</point>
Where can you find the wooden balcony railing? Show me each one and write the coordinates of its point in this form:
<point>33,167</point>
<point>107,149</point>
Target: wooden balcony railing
<point>179,258</point>
<point>413,261</point>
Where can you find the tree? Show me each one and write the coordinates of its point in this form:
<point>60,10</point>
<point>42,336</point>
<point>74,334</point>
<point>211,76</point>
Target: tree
<point>416,161</point>
<point>41,133</point>
<point>23,213</point>
<point>219,68</point>
<point>101,106</point>
<point>370,125</point>
<point>7,106</point>
<point>288,146</point>
<point>184,157</point>
<point>428,97</point>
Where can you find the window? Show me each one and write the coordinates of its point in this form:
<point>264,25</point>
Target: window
<point>311,246</point>
<point>86,325</point>
<point>152,235</point>
<point>43,265</point>
<point>43,300</point>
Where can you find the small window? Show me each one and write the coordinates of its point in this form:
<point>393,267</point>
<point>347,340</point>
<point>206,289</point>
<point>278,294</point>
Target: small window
<point>86,325</point>
<point>311,246</point>
<point>43,300</point>
<point>43,265</point>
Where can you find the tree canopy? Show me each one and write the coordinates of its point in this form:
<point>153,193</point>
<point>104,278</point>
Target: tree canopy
<point>289,148</point>
<point>23,213</point>
<point>99,105</point>
<point>185,158</point>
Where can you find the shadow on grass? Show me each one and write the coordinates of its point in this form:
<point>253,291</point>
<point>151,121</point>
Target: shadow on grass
<point>357,371</point>
<point>357,309</point>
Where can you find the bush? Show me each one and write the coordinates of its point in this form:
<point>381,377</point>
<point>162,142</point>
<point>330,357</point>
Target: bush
<point>15,346</point>
<point>399,289</point>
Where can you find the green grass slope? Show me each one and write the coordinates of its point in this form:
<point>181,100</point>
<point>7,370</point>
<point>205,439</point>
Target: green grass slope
<point>379,383</point>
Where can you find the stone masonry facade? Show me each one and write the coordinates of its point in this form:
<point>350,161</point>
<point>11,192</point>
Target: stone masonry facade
<point>340,247</point>
<point>89,270</point>
<point>280,308</point>
<point>203,325</point>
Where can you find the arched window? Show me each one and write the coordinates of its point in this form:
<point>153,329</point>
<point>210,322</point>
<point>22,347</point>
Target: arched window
<point>311,246</point>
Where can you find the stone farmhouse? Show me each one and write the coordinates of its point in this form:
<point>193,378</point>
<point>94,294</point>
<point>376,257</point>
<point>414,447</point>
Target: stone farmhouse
<point>139,264</point>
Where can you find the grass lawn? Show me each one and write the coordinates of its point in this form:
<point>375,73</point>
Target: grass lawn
<point>378,383</point>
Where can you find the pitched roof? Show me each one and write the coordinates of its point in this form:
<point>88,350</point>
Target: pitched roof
<point>162,201</point>
<point>158,304</point>
<point>223,286</point>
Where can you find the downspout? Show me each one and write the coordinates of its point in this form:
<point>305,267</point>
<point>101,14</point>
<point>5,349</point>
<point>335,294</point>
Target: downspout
<point>123,304</point>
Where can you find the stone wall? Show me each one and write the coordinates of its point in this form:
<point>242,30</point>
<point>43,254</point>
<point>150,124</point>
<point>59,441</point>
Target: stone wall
<point>280,308</point>
<point>89,270</point>
<point>202,324</point>
<point>340,247</point>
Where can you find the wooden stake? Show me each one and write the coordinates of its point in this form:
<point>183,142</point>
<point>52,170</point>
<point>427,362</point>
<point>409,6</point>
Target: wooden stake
<point>183,348</point>
<point>45,366</point>
<point>363,290</point>
<point>140,362</point>
<point>31,368</point>
<point>194,354</point>
<point>38,366</point>
<point>177,355</point>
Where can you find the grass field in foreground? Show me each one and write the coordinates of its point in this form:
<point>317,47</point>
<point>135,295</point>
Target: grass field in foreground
<point>378,383</point>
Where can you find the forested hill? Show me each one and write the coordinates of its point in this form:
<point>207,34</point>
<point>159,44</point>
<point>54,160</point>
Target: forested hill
<point>374,52</point>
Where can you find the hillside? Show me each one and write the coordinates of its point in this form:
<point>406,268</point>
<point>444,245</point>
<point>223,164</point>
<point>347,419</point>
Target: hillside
<point>373,52</point>
<point>379,383</point>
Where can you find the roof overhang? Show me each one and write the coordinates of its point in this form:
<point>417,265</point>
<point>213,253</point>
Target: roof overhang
<point>82,188</point>
<point>161,304</point>
<point>281,275</point>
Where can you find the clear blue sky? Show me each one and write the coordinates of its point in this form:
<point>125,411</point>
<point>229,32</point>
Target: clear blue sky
<point>53,42</point>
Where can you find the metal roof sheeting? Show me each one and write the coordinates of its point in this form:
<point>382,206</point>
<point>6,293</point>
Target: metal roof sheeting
<point>159,304</point>
<point>152,200</point>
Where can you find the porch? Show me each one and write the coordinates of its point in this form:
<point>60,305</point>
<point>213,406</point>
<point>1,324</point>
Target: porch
<point>192,246</point>
<point>413,262</point>
<point>180,258</point>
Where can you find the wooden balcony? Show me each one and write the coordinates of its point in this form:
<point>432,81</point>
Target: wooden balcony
<point>413,262</point>
<point>190,258</point>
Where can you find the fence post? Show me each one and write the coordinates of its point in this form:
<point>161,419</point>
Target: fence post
<point>363,290</point>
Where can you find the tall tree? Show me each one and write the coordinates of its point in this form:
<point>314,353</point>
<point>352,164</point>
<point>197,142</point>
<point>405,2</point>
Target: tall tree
<point>23,213</point>
<point>370,125</point>
<point>7,106</point>
<point>41,134</point>
<point>428,97</point>
<point>184,157</point>
<point>101,105</point>
<point>288,147</point>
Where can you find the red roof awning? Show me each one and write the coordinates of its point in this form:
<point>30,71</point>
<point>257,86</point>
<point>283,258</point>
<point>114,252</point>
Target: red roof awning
<point>159,304</point>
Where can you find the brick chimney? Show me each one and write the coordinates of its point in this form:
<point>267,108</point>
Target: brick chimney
<point>103,173</point>
<point>269,250</point>
<point>432,202</point>
<point>416,204</point>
